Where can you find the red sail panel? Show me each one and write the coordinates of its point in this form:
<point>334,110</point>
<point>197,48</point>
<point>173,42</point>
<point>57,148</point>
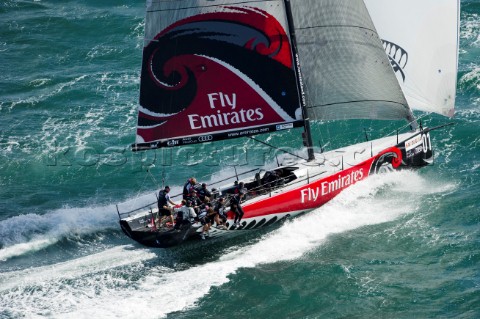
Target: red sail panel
<point>216,72</point>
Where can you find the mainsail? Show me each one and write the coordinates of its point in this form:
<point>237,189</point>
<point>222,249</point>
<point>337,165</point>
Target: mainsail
<point>421,40</point>
<point>215,70</point>
<point>345,69</point>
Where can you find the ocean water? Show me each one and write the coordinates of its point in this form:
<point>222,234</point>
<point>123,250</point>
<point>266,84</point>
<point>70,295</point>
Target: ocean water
<point>401,245</point>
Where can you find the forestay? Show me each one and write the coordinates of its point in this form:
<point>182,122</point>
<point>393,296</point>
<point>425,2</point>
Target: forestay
<point>215,70</point>
<point>421,39</point>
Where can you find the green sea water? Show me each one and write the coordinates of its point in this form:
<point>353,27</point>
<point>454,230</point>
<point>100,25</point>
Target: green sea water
<point>402,245</point>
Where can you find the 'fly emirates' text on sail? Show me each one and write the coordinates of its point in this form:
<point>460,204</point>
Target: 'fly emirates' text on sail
<point>217,100</point>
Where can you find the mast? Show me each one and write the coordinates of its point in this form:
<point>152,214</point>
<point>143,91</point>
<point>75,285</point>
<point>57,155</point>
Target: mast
<point>299,80</point>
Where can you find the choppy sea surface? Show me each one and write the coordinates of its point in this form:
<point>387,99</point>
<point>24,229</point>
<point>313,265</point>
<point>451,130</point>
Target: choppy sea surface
<point>400,245</point>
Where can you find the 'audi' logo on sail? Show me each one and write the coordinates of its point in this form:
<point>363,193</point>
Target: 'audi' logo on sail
<point>205,138</point>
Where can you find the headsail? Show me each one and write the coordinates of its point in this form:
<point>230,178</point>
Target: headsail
<point>421,39</point>
<point>346,71</point>
<point>215,70</point>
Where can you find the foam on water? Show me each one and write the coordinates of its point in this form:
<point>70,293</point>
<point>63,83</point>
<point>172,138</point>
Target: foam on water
<point>470,28</point>
<point>100,289</point>
<point>24,248</point>
<point>75,268</point>
<point>27,233</point>
<point>47,93</point>
<point>85,96</point>
<point>471,80</point>
<point>32,232</point>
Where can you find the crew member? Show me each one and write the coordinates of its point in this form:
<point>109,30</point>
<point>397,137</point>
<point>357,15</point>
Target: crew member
<point>204,192</point>
<point>237,208</point>
<point>163,209</point>
<point>220,217</point>
<point>189,185</point>
<point>240,188</point>
<point>185,214</point>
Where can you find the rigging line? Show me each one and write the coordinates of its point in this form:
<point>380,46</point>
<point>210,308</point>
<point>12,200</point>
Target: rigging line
<point>153,178</point>
<point>401,128</point>
<point>277,148</point>
<point>140,189</point>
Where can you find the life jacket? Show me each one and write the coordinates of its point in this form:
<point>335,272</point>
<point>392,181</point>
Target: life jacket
<point>203,192</point>
<point>186,188</point>
<point>219,208</point>
<point>234,202</point>
<point>184,213</point>
<point>162,199</point>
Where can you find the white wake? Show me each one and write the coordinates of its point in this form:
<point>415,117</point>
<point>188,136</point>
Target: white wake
<point>101,285</point>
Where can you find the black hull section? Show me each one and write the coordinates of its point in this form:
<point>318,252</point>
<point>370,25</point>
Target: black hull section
<point>159,239</point>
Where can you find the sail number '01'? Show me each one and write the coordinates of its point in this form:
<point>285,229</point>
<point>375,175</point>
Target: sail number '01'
<point>417,144</point>
<point>427,144</point>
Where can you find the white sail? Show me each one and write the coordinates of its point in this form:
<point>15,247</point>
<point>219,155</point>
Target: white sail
<point>421,39</point>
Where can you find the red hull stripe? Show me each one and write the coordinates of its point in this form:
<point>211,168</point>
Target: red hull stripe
<point>309,196</point>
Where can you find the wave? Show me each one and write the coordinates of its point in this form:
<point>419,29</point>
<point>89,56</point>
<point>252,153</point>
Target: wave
<point>470,27</point>
<point>131,283</point>
<point>470,81</point>
<point>29,233</point>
